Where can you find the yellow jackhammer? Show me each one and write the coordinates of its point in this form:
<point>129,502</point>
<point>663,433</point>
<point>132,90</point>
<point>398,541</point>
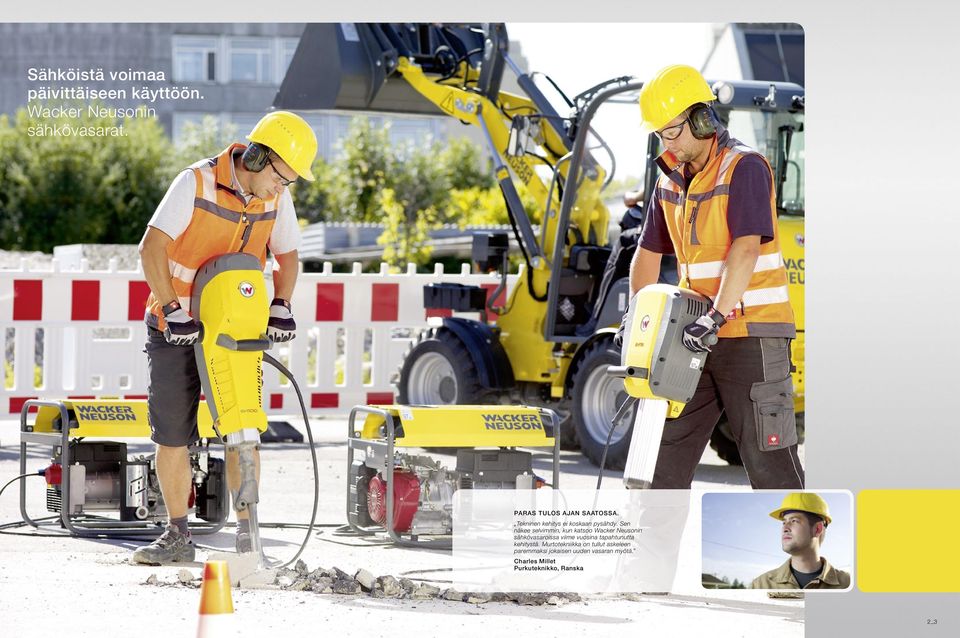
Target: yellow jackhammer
<point>230,302</point>
<point>660,374</point>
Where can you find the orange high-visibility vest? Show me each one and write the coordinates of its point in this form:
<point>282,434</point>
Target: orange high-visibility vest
<point>222,223</point>
<point>697,223</point>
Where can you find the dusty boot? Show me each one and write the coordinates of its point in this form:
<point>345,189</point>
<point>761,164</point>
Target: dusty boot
<point>171,547</point>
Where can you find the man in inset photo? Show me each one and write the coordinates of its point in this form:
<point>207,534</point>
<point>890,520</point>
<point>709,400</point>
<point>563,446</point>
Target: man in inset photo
<point>805,518</point>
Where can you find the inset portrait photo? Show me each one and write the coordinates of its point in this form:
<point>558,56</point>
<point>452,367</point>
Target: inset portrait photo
<point>775,540</point>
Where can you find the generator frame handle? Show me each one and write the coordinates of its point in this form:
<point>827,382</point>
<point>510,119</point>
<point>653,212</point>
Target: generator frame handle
<point>351,437</point>
<point>105,527</point>
<point>390,436</point>
<point>27,436</point>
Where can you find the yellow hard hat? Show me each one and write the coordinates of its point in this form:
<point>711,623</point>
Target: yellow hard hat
<point>803,502</point>
<point>289,136</point>
<point>672,91</point>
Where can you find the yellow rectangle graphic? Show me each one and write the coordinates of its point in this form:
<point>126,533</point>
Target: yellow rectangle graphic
<point>907,540</point>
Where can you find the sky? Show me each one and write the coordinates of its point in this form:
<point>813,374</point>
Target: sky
<point>579,56</point>
<point>741,540</point>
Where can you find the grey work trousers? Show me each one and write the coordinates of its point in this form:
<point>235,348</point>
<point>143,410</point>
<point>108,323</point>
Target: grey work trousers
<point>173,395</point>
<point>749,379</point>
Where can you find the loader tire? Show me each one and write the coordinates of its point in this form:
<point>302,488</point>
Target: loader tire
<point>568,433</point>
<point>595,397</point>
<point>438,370</point>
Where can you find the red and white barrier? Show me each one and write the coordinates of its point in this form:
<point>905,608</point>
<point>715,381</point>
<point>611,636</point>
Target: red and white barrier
<point>352,332</point>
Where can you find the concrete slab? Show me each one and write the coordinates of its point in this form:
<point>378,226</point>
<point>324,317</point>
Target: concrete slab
<point>243,567</point>
<point>90,587</point>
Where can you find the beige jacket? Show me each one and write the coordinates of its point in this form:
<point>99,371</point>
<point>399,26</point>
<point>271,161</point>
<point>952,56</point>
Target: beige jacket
<point>782,578</point>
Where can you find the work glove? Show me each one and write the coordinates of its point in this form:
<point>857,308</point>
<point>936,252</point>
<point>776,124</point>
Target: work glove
<point>281,326</point>
<point>618,338</point>
<point>181,328</point>
<point>697,335</point>
<point>624,324</point>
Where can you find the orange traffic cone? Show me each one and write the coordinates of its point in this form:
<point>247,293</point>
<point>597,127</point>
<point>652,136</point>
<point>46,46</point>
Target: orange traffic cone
<point>216,602</point>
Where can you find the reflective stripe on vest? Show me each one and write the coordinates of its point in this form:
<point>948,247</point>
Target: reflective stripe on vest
<point>709,269</point>
<point>222,222</point>
<point>697,222</point>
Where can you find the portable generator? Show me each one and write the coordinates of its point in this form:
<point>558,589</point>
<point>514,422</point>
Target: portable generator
<point>229,299</point>
<point>660,373</point>
<point>392,488</point>
<point>104,478</point>
<point>88,478</point>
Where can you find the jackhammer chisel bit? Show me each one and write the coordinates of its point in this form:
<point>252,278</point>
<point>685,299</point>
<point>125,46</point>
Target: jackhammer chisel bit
<point>247,495</point>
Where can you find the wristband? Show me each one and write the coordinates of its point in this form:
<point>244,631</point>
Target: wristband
<point>171,307</point>
<point>716,317</point>
<point>277,301</point>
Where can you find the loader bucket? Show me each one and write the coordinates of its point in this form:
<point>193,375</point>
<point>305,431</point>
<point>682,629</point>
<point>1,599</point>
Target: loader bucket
<point>352,66</point>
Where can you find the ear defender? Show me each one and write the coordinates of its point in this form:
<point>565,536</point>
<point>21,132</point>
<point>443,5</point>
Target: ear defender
<point>703,124</point>
<point>255,157</point>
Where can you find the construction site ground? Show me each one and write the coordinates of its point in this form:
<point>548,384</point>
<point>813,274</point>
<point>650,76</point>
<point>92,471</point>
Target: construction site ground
<point>86,587</point>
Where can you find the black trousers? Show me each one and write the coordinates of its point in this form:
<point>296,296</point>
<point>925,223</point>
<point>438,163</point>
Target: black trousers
<point>749,379</point>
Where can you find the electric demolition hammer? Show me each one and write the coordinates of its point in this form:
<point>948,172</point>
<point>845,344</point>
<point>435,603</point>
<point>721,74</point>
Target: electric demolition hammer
<point>660,374</point>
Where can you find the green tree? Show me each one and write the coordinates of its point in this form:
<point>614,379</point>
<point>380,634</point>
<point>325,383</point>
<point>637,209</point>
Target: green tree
<point>465,164</point>
<point>314,200</point>
<point>476,207</point>
<point>364,170</point>
<point>133,184</point>
<point>409,207</point>
<point>485,207</point>
<point>10,193</point>
<point>420,182</point>
<point>197,141</point>
<point>70,189</point>
<point>63,189</point>
<point>421,176</point>
<point>405,238</point>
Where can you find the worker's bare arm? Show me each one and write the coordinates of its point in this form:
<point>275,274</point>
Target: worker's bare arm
<point>644,269</point>
<point>285,271</point>
<point>156,266</point>
<point>737,271</point>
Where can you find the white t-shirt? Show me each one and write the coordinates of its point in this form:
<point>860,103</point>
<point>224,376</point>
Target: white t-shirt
<point>175,211</point>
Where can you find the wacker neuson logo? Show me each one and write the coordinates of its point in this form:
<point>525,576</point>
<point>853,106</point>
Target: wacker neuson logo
<point>105,412</point>
<point>512,421</point>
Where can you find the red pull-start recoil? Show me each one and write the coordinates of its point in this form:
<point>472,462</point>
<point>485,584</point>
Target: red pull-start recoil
<point>406,499</point>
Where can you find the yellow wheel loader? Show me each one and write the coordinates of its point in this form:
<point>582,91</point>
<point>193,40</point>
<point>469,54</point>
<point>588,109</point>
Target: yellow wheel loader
<point>538,348</point>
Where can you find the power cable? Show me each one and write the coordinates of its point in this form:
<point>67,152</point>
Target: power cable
<point>17,478</point>
<point>313,455</point>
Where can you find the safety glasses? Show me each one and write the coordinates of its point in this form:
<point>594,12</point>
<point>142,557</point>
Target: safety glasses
<point>283,180</point>
<point>672,132</point>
